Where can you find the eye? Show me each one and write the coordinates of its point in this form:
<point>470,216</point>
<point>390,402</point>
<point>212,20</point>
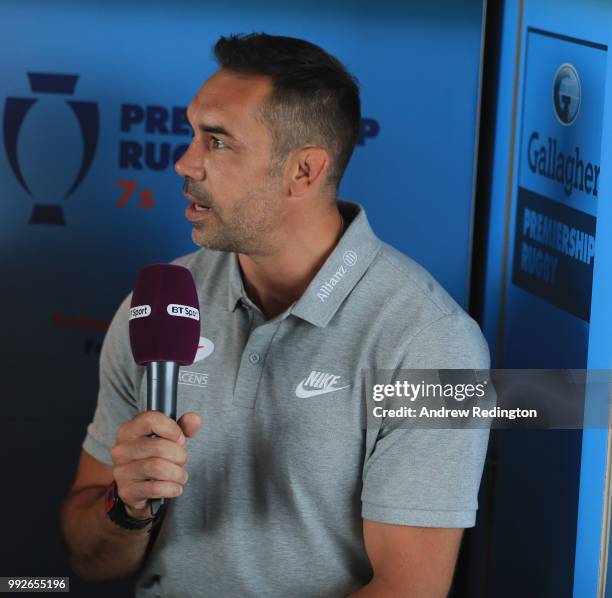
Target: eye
<point>217,143</point>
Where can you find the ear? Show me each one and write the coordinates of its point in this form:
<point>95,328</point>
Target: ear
<point>307,170</point>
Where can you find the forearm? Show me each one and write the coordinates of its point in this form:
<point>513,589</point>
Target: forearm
<point>377,588</point>
<point>381,588</point>
<point>374,589</point>
<point>98,548</point>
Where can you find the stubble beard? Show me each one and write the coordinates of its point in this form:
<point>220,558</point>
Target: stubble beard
<point>248,229</point>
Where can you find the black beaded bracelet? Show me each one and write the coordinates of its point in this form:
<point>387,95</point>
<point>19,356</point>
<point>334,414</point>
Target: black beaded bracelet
<point>115,510</point>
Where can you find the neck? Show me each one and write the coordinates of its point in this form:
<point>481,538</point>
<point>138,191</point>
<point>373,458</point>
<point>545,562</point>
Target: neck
<point>274,282</point>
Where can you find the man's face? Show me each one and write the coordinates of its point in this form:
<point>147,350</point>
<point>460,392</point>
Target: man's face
<point>228,167</point>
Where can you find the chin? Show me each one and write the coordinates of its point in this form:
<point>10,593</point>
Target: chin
<point>201,240</point>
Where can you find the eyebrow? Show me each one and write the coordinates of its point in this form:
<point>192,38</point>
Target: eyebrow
<point>217,129</point>
<point>212,128</point>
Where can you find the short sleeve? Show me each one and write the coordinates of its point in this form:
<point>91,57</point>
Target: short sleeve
<point>430,477</point>
<point>118,392</point>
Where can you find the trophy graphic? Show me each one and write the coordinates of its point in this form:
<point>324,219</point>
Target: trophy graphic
<point>15,112</point>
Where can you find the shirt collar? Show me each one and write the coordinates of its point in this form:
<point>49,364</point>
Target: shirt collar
<point>236,292</point>
<point>341,271</point>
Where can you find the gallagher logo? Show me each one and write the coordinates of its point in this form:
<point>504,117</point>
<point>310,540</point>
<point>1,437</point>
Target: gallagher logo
<point>566,94</point>
<point>87,116</point>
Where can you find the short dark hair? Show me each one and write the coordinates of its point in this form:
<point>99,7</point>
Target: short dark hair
<point>315,100</point>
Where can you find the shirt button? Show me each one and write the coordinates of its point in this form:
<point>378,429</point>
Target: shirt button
<point>254,357</point>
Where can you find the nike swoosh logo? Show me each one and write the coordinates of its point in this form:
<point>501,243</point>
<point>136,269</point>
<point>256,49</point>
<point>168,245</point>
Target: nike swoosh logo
<point>302,393</point>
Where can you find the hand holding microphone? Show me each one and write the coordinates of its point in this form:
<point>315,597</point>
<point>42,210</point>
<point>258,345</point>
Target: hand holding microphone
<point>164,332</point>
<point>149,467</point>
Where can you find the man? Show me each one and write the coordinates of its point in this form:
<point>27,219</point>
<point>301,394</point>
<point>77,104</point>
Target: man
<point>288,493</point>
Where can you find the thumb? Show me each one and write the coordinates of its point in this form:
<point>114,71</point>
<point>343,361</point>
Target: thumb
<point>190,423</point>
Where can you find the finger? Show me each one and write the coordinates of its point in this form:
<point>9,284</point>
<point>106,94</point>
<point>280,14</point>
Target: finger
<point>154,468</point>
<point>137,494</point>
<point>149,422</point>
<point>190,424</point>
<point>144,448</point>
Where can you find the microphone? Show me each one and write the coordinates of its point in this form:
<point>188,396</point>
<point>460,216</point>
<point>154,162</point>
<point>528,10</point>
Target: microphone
<point>164,333</point>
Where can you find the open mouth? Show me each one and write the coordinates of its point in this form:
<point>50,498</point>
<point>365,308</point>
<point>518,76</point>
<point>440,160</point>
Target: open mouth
<point>199,208</point>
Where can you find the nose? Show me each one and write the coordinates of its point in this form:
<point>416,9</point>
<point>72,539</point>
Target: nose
<point>191,164</point>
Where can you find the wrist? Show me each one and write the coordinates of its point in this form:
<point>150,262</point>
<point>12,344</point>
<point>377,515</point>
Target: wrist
<point>117,511</point>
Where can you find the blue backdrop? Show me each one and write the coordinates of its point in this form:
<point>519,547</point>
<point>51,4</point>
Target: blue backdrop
<point>547,304</point>
<point>92,94</point>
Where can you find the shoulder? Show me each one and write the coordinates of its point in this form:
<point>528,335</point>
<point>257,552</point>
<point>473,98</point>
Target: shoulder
<point>427,326</point>
<point>409,277</point>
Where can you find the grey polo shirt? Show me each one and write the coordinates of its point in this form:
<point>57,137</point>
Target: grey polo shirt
<point>283,469</point>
